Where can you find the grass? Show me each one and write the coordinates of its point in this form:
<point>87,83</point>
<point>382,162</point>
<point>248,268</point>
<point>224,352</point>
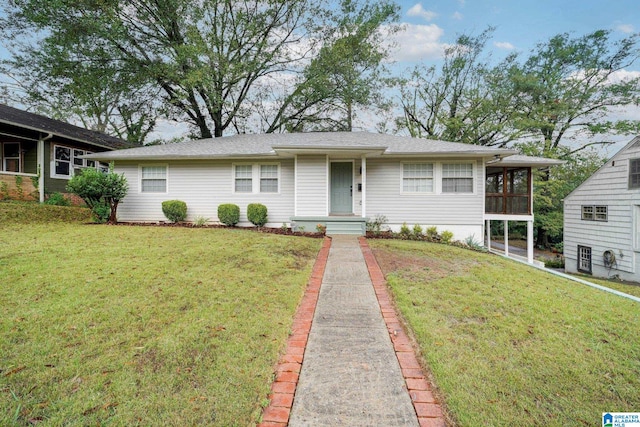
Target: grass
<point>510,345</point>
<point>619,285</point>
<point>141,325</point>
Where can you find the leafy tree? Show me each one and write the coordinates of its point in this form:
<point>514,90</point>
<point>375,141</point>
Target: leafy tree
<point>566,89</point>
<point>209,63</point>
<point>346,73</point>
<point>463,100</point>
<point>102,192</point>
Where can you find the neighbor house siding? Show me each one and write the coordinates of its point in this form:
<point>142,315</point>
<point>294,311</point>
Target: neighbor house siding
<point>312,185</point>
<point>609,186</point>
<point>203,185</point>
<point>460,213</point>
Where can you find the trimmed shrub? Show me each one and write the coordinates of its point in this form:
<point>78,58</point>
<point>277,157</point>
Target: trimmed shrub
<point>174,210</point>
<point>257,214</point>
<point>405,231</point>
<point>446,237</point>
<point>229,214</point>
<point>57,199</point>
<point>417,231</point>
<point>432,232</point>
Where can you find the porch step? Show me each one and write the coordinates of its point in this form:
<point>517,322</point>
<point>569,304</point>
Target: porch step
<point>335,225</point>
<point>343,227</point>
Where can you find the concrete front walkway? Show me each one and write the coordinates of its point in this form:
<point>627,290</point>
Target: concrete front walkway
<point>350,375</point>
<point>348,361</point>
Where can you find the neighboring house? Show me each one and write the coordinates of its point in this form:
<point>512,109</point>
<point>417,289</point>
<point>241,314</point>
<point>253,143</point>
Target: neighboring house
<point>39,155</point>
<point>337,179</point>
<point>602,219</point>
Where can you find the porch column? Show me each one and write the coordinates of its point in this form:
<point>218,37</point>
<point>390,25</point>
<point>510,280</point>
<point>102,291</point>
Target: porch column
<point>364,186</point>
<point>295,185</point>
<point>488,228</point>
<point>506,237</point>
<point>40,168</point>
<point>530,242</point>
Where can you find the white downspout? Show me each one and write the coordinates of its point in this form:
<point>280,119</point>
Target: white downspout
<point>40,167</point>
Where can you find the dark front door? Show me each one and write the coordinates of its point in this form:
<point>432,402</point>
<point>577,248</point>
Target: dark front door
<point>342,188</point>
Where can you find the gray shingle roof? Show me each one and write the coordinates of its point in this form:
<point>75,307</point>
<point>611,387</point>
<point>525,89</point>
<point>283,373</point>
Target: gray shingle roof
<point>520,160</point>
<point>37,123</point>
<point>266,145</point>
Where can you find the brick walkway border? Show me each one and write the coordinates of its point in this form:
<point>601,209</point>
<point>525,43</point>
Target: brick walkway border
<point>427,408</point>
<point>283,388</point>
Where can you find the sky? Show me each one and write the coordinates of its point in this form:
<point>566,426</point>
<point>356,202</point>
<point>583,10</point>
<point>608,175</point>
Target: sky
<point>519,24</point>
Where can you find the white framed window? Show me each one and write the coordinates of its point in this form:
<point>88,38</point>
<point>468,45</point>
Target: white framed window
<point>595,213</point>
<point>11,157</point>
<point>268,178</point>
<point>256,178</point>
<point>62,162</point>
<point>67,161</point>
<point>243,179</point>
<point>634,173</point>
<point>584,259</point>
<point>587,213</point>
<point>153,179</point>
<point>417,177</point>
<point>457,178</point>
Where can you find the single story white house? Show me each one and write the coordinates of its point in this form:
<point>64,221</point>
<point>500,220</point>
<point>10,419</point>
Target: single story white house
<point>339,179</point>
<point>602,219</point>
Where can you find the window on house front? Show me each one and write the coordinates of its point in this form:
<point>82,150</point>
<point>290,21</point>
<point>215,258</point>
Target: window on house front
<point>268,178</point>
<point>634,173</point>
<point>244,179</point>
<point>258,178</point>
<point>11,157</point>
<point>153,179</point>
<point>457,178</point>
<point>417,177</point>
<point>595,213</point>
<point>584,259</point>
<point>62,160</point>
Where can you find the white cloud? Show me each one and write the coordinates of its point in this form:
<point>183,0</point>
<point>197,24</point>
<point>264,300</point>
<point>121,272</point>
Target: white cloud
<point>504,45</point>
<point>418,10</point>
<point>457,15</point>
<point>625,28</point>
<point>623,75</point>
<point>417,42</point>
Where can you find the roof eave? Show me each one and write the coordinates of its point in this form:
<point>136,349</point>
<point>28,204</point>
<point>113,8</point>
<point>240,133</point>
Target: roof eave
<point>39,130</point>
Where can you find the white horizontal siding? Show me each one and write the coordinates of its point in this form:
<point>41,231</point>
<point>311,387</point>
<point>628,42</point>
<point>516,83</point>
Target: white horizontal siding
<point>463,212</point>
<point>203,185</point>
<point>311,186</point>
<point>609,186</point>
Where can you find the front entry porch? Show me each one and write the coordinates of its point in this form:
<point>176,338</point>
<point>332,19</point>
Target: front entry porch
<point>354,225</point>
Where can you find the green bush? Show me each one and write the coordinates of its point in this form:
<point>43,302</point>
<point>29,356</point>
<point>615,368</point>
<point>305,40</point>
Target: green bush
<point>174,210</point>
<point>229,214</point>
<point>446,237</point>
<point>257,214</point>
<point>99,189</point>
<point>101,212</point>
<point>405,231</point>
<point>57,199</point>
<point>417,231</point>
<point>432,232</point>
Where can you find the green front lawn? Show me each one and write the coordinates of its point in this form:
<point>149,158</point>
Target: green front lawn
<point>142,325</point>
<point>510,345</point>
